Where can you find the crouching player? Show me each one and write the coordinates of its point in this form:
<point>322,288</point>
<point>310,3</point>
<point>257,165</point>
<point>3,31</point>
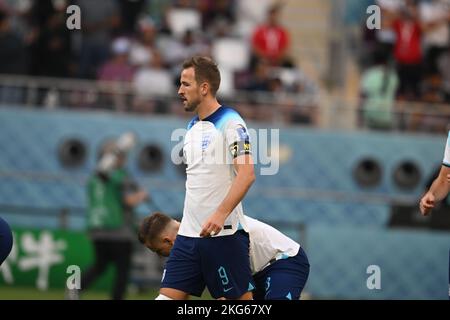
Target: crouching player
<point>279,265</point>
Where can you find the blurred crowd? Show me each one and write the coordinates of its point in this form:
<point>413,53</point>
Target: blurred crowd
<point>407,61</point>
<point>144,42</point>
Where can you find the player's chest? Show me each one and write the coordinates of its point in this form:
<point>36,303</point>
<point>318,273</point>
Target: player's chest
<point>201,142</point>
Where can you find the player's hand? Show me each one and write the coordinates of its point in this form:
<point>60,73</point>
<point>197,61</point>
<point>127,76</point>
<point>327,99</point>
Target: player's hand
<point>427,204</point>
<point>213,225</point>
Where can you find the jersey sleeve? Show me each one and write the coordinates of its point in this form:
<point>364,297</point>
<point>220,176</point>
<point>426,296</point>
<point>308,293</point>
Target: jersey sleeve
<point>237,138</point>
<point>446,161</point>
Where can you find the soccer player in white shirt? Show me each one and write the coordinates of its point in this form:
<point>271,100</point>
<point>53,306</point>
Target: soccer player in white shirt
<point>212,247</point>
<point>441,185</point>
<point>279,265</point>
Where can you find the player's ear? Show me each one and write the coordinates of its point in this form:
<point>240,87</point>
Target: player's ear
<point>204,88</point>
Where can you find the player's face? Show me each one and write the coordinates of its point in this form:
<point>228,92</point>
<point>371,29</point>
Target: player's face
<point>164,243</point>
<point>161,247</point>
<point>189,90</point>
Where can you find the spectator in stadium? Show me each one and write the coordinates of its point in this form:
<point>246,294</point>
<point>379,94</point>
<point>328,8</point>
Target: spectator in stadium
<point>385,36</point>
<point>12,59</point>
<point>118,67</point>
<point>436,14</point>
<point>378,87</point>
<point>260,77</point>
<point>408,51</point>
<point>112,195</point>
<point>144,46</point>
<point>20,16</point>
<point>176,51</point>
<point>271,40</point>
<point>157,11</point>
<point>444,70</point>
<point>441,185</point>
<point>53,47</point>
<point>218,17</point>
<point>49,39</point>
<point>130,10</point>
<point>116,70</point>
<point>279,265</point>
<point>410,32</point>
<point>212,246</point>
<point>99,20</point>
<point>12,48</point>
<point>6,240</point>
<point>152,80</point>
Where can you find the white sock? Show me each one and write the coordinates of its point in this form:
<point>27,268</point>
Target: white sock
<point>163,297</point>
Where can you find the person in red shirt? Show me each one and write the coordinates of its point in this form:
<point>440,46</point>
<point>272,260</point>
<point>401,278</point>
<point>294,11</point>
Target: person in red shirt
<point>409,30</point>
<point>408,51</point>
<point>270,40</point>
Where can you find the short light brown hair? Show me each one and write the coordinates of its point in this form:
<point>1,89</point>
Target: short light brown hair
<point>206,70</point>
<point>152,226</point>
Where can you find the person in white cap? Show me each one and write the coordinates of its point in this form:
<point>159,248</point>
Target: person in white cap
<point>118,67</point>
<point>111,196</point>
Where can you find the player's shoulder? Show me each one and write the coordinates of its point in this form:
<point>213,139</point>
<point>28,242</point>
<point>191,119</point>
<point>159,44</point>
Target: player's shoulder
<point>448,140</point>
<point>224,115</point>
<point>220,118</point>
<point>230,112</point>
<point>193,121</point>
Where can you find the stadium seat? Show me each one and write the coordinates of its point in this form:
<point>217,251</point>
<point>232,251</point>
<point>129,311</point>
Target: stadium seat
<point>226,82</point>
<point>151,82</point>
<point>182,20</point>
<point>230,53</point>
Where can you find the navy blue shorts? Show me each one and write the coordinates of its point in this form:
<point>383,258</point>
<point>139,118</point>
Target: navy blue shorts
<point>282,280</point>
<point>6,240</point>
<point>220,263</point>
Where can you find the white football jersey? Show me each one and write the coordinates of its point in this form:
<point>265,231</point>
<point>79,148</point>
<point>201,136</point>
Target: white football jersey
<point>210,145</point>
<point>267,245</point>
<point>446,161</point>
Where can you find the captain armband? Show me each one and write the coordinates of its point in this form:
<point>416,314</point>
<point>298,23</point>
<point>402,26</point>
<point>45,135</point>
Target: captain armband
<point>239,148</point>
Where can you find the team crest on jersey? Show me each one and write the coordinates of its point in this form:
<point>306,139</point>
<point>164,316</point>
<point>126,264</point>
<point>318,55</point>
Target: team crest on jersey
<point>206,140</point>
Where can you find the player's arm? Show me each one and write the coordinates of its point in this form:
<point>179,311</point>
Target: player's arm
<point>135,198</point>
<point>438,191</point>
<point>245,176</point>
<point>133,195</point>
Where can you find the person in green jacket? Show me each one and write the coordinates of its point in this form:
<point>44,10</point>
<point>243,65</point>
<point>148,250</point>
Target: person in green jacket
<point>112,195</point>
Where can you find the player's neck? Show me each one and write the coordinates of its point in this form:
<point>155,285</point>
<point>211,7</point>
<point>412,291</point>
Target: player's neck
<point>207,107</point>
